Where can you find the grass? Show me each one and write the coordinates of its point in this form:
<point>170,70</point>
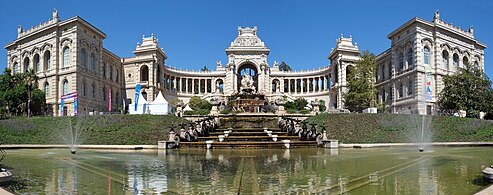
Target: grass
<point>393,128</point>
<point>103,129</point>
<point>148,129</point>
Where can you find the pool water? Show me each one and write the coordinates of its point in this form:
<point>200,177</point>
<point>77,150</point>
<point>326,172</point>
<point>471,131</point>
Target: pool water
<point>441,170</point>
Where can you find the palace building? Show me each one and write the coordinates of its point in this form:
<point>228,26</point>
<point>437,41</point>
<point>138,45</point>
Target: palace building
<point>68,56</point>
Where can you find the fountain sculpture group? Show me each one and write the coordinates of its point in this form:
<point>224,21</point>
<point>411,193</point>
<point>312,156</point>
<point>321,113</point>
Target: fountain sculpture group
<point>292,127</point>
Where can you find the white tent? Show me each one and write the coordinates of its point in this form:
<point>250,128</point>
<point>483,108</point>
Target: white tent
<point>141,106</point>
<point>160,106</point>
<point>187,108</point>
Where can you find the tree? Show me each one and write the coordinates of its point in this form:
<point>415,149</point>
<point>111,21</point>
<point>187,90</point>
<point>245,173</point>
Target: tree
<point>284,67</point>
<point>361,92</point>
<point>469,90</point>
<point>19,94</point>
<point>30,79</point>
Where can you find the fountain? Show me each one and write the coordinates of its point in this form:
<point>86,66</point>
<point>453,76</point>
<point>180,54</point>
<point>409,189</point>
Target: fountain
<point>72,132</point>
<point>419,131</point>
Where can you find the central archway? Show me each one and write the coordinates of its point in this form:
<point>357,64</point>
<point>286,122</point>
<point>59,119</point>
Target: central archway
<point>247,69</point>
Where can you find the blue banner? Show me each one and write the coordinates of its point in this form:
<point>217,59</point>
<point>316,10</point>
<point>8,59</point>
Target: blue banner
<point>137,93</point>
<point>75,106</point>
<point>61,108</point>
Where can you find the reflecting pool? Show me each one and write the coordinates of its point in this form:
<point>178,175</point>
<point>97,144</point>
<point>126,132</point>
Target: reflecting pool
<point>454,170</point>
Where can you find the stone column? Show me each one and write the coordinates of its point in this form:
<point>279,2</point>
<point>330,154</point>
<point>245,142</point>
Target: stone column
<point>186,86</point>
<point>199,85</point>
<point>302,85</point>
<point>325,83</point>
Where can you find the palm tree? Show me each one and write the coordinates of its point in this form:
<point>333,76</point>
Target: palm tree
<point>30,79</point>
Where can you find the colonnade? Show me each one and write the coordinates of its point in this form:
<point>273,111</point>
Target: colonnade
<point>303,85</point>
<point>193,85</point>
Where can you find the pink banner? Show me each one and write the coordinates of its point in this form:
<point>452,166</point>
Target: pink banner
<point>109,100</point>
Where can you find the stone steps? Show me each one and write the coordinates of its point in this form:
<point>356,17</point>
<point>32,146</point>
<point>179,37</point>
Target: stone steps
<point>248,133</point>
<point>234,138</point>
<point>252,144</point>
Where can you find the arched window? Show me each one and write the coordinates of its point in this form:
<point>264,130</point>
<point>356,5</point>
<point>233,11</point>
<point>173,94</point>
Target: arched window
<point>349,70</point>
<point>93,91</point>
<point>456,61</point>
<point>84,88</point>
<point>274,85</point>
<point>47,89</point>
<point>104,93</point>
<point>117,75</point>
<point>26,64</point>
<point>410,88</point>
<point>144,95</point>
<point>83,57</point>
<point>401,90</point>
<point>465,60</point>
<point>426,52</point>
<point>401,62</point>
<point>65,87</point>
<point>220,86</point>
<point>93,62</point>
<point>104,70</point>
<point>383,72</point>
<point>16,68</point>
<point>144,73</point>
<point>66,57</point>
<point>36,63</point>
<point>476,64</point>
<point>410,58</point>
<point>111,73</point>
<point>444,59</point>
<point>389,68</point>
<point>47,60</point>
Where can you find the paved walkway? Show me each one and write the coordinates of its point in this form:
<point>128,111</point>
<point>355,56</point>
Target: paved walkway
<point>4,192</point>
<point>42,146</point>
<point>487,191</point>
<point>415,144</point>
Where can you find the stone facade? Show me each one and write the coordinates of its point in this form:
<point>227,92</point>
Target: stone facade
<point>68,56</point>
<point>410,73</point>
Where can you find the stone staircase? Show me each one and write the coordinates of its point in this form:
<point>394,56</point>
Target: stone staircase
<point>248,132</point>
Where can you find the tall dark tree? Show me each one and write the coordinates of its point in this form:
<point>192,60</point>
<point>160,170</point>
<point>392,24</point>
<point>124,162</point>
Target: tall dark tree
<point>30,79</point>
<point>284,67</point>
<point>469,90</point>
<point>361,92</point>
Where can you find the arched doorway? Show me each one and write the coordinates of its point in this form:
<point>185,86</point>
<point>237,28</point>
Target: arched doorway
<point>250,70</point>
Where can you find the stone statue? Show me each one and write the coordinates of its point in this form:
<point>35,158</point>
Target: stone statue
<point>436,17</point>
<point>55,14</point>
<point>19,29</point>
<point>247,83</point>
<point>219,64</point>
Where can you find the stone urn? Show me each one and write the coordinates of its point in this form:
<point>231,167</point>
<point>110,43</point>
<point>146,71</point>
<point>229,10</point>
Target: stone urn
<point>280,106</point>
<point>214,110</point>
<point>315,107</point>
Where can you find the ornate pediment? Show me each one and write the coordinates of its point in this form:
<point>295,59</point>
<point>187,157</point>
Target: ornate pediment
<point>247,41</point>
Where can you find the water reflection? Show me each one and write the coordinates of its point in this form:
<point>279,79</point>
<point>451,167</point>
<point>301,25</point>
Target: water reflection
<point>328,171</point>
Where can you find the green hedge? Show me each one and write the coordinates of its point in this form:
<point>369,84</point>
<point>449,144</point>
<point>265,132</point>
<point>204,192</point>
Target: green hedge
<point>102,129</point>
<point>394,128</point>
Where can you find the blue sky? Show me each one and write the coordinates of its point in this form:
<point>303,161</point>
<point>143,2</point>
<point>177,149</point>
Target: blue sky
<point>301,33</point>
